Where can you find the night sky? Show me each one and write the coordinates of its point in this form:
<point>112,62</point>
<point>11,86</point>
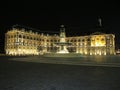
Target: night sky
<point>79,18</point>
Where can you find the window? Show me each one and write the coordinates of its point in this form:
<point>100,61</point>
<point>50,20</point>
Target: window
<point>27,37</point>
<point>97,38</point>
<point>31,38</point>
<point>11,36</point>
<point>23,36</point>
<point>102,39</point>
<point>74,40</point>
<point>79,40</point>
<point>88,39</point>
<point>20,36</point>
<point>55,40</point>
<point>83,40</point>
<point>47,40</point>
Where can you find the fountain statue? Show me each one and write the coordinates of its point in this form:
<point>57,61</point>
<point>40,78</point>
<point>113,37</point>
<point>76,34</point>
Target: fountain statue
<point>62,44</point>
<point>62,47</point>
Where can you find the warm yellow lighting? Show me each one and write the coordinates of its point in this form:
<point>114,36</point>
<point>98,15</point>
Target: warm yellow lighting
<point>21,42</point>
<point>104,53</point>
<point>63,51</point>
<point>97,44</point>
<point>85,52</point>
<point>90,53</point>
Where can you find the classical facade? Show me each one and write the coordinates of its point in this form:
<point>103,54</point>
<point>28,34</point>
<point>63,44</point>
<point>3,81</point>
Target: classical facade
<point>22,42</point>
<point>94,44</point>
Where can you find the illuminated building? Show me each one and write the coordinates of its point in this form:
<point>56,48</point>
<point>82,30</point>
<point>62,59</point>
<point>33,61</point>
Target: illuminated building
<point>94,44</point>
<point>22,42</point>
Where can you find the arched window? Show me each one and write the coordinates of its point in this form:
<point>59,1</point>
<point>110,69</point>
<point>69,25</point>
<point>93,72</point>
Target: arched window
<point>71,40</point>
<point>47,40</point>
<point>78,40</point>
<point>23,36</point>
<point>67,40</point>
<point>11,36</point>
<point>20,36</point>
<point>88,39</point>
<point>97,38</point>
<point>83,40</point>
<point>75,40</point>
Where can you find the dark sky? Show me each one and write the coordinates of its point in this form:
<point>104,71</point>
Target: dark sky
<point>76,16</point>
<point>79,18</point>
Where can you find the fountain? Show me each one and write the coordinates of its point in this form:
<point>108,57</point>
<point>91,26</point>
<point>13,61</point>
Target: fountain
<point>62,47</point>
<point>62,44</point>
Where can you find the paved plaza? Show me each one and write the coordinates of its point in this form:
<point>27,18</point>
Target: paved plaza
<point>32,73</point>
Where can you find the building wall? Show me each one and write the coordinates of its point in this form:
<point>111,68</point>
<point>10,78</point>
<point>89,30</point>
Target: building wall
<point>21,42</point>
<point>101,44</point>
